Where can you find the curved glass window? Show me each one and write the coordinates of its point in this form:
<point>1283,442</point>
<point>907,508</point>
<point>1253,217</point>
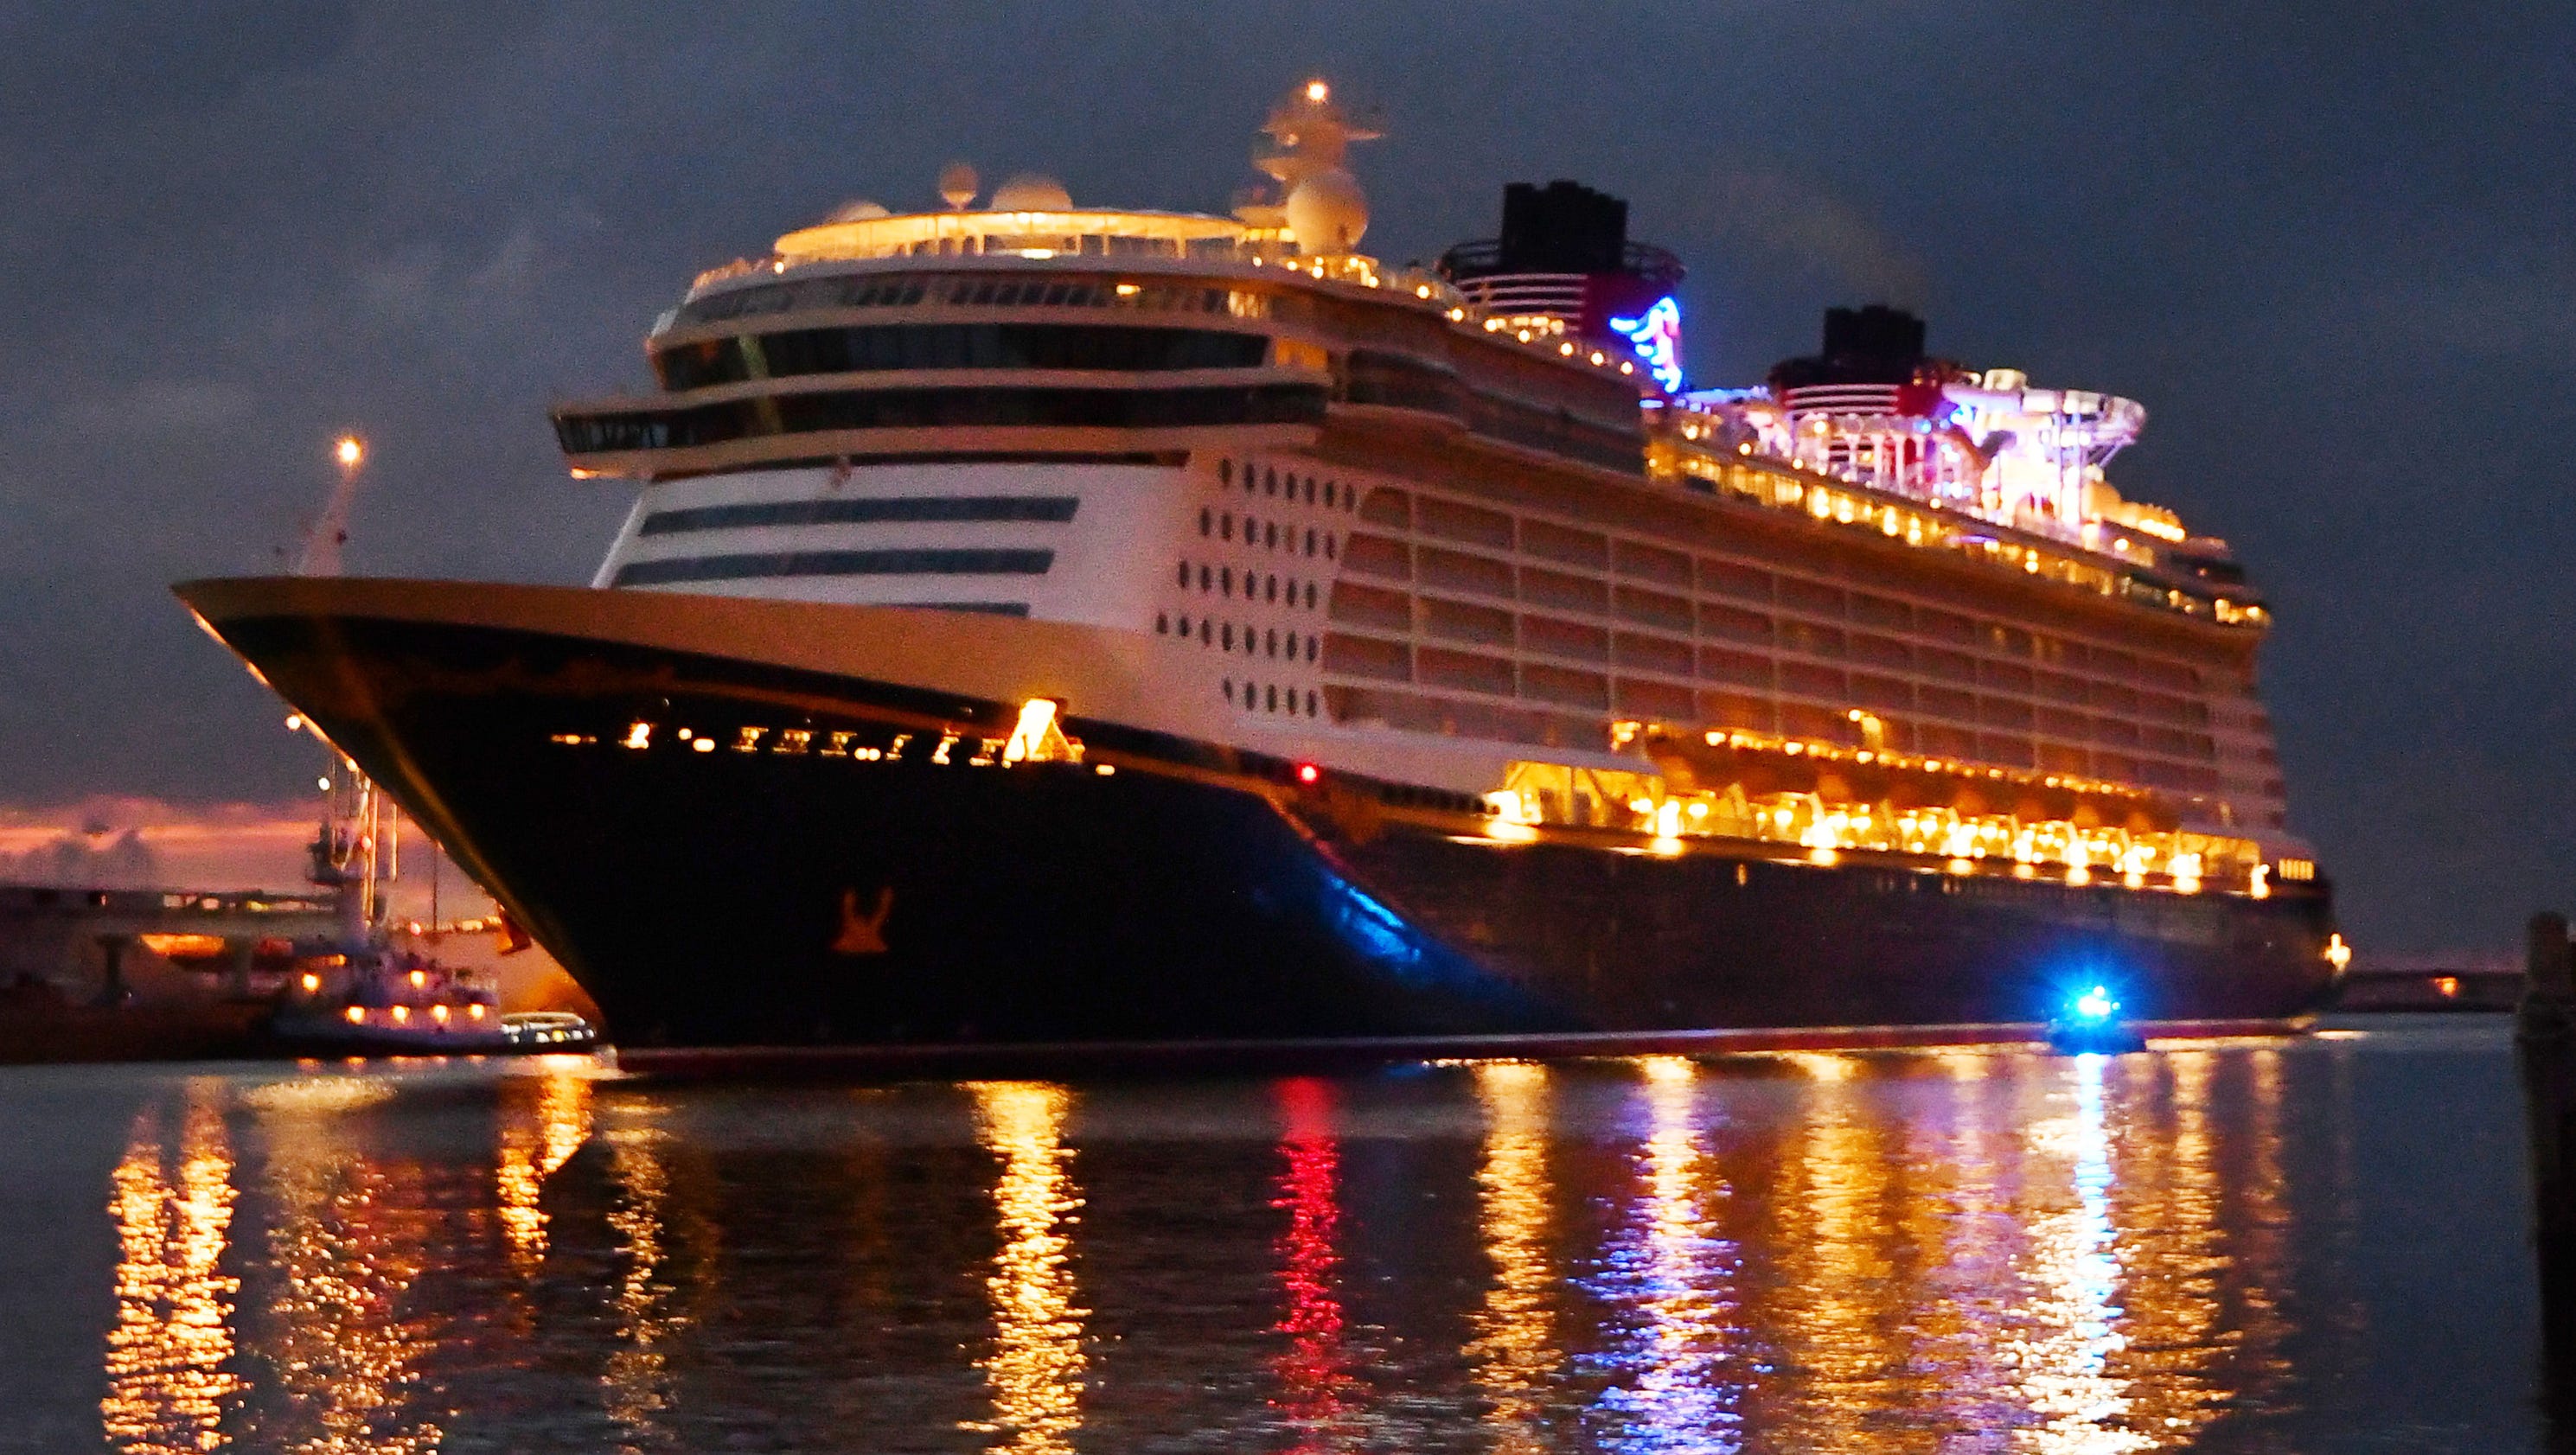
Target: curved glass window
<point>789,414</point>
<point>892,346</point>
<point>836,563</point>
<point>991,290</point>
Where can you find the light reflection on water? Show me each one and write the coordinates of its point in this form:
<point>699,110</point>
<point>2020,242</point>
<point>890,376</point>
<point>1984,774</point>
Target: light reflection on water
<point>170,1353</point>
<point>1036,1365</point>
<point>1962,1251</point>
<point>1668,1277</point>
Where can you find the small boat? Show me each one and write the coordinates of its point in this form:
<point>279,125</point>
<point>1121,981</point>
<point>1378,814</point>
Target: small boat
<point>2090,1025</point>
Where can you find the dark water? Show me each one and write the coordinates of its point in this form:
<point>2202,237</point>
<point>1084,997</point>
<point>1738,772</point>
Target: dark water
<point>2310,1246</point>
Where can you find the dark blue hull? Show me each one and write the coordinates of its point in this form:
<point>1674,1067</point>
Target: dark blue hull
<point>787,887</point>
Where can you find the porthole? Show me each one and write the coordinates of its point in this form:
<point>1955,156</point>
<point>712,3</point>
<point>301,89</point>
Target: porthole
<point>1328,548</point>
<point>1270,589</point>
<point>1328,495</point>
<point>1185,576</point>
<point>1271,531</point>
<point>1225,472</point>
<point>1226,634</point>
<point>1207,520</point>
<point>1270,697</point>
<point>1310,649</point>
<point>1310,596</point>
<point>1207,633</point>
<point>1185,626</point>
<point>1228,688</point>
<point>1225,580</point>
<point>1310,490</point>
<point>1310,539</point>
<point>1162,624</point>
<point>1204,578</point>
<point>1310,696</point>
<point>1270,643</point>
<point>1270,481</point>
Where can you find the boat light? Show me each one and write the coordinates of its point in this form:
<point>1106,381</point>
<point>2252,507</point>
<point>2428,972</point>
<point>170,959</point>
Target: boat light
<point>312,983</point>
<point>2095,1006</point>
<point>1308,773</point>
<point>357,1015</point>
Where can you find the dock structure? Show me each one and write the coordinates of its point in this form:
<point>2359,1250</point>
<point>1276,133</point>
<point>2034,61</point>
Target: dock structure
<point>2545,1046</point>
<point>115,974</point>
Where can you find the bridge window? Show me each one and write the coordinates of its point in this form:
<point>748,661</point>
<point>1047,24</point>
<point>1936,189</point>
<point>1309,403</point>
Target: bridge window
<point>953,346</point>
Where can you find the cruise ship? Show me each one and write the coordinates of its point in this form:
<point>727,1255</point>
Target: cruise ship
<point>1043,623</point>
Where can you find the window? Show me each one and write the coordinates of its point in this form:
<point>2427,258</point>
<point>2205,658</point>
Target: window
<point>1206,520</point>
<point>898,346</point>
<point>1227,636</point>
<point>904,508</point>
<point>935,408</point>
<point>837,563</point>
<point>1225,472</point>
<point>1225,579</point>
<point>1185,575</point>
<point>1162,624</point>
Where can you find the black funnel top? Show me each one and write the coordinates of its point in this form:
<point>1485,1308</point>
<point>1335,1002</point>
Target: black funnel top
<point>1870,345</point>
<point>1563,227</point>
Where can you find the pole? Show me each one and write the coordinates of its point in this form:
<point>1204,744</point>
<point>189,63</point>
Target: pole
<point>2545,1047</point>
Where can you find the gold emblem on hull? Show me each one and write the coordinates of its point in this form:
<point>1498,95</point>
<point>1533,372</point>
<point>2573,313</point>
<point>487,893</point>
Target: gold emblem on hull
<point>863,934</point>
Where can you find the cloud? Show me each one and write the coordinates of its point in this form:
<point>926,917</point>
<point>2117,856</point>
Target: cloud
<point>164,406</point>
<point>1801,222</point>
<point>117,842</point>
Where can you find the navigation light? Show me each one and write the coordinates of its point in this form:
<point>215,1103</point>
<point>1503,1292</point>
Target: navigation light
<point>2095,1006</point>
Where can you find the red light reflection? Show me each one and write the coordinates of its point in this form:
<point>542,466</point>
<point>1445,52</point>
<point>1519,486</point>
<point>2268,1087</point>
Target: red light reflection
<point>1315,1387</point>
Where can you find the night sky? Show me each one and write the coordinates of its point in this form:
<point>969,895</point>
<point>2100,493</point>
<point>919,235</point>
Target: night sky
<point>2332,248</point>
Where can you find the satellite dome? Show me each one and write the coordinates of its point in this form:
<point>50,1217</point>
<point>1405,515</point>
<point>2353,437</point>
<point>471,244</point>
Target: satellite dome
<point>857,210</point>
<point>1328,212</point>
<point>1031,192</point>
<point>957,185</point>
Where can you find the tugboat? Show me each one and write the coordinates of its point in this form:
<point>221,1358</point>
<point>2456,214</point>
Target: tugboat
<point>353,992</point>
